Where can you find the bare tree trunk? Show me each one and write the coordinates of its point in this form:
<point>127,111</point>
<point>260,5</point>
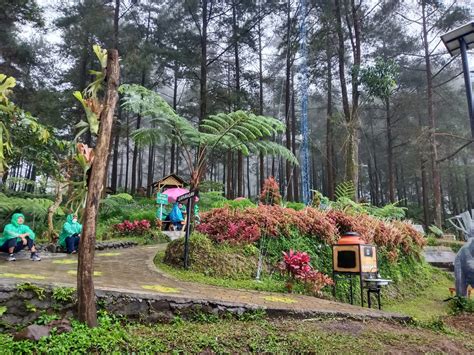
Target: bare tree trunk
<point>203,77</point>
<point>85,285</point>
<point>260,101</point>
<point>59,191</point>
<point>468,185</point>
<point>296,175</point>
<point>330,179</point>
<point>345,98</point>
<point>151,169</point>
<point>391,178</point>
<point>289,187</point>
<point>127,164</point>
<point>432,123</point>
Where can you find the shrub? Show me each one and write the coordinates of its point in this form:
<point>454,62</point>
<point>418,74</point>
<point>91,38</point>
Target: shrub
<point>133,228</point>
<point>207,200</point>
<point>212,259</point>
<point>149,215</point>
<point>298,268</point>
<point>243,226</point>
<point>298,206</point>
<point>237,203</point>
<point>270,192</point>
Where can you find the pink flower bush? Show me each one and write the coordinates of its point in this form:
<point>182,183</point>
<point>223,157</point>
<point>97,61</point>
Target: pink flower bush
<point>297,266</point>
<point>135,227</point>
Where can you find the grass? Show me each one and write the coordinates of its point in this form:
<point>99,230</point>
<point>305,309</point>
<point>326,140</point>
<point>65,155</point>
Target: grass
<point>210,334</point>
<point>266,283</point>
<point>427,304</point>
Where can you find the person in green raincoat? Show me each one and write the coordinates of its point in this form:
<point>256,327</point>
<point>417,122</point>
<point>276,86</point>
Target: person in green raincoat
<point>16,235</point>
<point>70,234</point>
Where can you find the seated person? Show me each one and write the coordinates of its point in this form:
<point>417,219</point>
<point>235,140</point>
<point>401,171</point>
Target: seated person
<point>164,221</point>
<point>176,217</point>
<point>70,234</point>
<point>16,236</point>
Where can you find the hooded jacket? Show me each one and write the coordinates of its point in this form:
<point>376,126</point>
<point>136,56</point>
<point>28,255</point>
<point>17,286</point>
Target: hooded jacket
<point>14,229</point>
<point>69,228</point>
<point>176,215</point>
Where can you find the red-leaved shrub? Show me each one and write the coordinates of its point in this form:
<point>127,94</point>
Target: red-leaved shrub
<point>270,192</point>
<point>297,267</point>
<point>243,226</point>
<point>135,227</point>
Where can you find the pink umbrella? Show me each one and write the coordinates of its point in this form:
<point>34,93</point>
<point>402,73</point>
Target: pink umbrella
<point>174,193</point>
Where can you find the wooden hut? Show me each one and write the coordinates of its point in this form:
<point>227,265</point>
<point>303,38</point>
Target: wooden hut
<point>169,181</point>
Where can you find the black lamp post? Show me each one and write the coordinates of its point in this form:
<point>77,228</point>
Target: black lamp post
<point>459,41</point>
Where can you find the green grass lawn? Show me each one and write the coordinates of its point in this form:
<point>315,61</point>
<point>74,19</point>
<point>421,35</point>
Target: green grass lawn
<point>427,304</point>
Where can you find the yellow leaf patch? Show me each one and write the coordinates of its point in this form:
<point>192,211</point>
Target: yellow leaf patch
<point>74,272</point>
<point>23,276</point>
<point>279,299</point>
<point>109,254</point>
<point>65,261</point>
<point>159,288</point>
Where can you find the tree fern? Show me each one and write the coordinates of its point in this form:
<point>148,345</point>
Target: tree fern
<point>235,131</point>
<point>346,190</point>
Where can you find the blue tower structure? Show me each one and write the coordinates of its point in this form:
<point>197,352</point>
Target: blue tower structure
<point>304,149</point>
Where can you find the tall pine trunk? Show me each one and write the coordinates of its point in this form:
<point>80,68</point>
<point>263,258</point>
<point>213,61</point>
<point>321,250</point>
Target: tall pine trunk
<point>436,179</point>
<point>330,173</point>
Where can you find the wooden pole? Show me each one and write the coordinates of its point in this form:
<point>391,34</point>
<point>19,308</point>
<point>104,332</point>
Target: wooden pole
<point>85,286</point>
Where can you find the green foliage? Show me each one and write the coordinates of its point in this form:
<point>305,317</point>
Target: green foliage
<point>3,309</point>
<point>20,133</point>
<point>63,294</point>
<point>88,98</point>
<point>387,212</point>
<point>319,200</point>
<point>297,206</point>
<point>211,259</point>
<point>234,204</point>
<point>436,231</point>
<point>459,305</point>
<point>380,79</point>
<point>345,190</point>
<point>34,209</point>
<point>207,200</point>
<point>210,186</point>
<point>235,131</point>
<point>117,206</point>
<point>37,290</point>
<point>46,318</point>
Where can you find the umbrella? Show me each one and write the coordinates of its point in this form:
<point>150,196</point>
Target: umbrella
<point>174,193</point>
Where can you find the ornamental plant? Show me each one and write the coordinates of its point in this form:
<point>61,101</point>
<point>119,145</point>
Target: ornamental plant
<point>245,226</point>
<point>296,265</point>
<point>133,228</point>
<point>270,192</point>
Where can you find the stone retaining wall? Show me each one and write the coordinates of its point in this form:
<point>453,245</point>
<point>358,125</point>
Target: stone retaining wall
<point>22,307</point>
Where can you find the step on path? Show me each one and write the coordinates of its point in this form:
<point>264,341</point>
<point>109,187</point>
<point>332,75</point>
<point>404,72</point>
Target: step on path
<point>132,271</point>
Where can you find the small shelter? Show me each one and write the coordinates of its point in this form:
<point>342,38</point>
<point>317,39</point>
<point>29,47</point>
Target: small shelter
<point>167,182</point>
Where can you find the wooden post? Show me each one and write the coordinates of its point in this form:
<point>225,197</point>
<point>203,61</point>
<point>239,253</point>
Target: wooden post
<point>85,286</point>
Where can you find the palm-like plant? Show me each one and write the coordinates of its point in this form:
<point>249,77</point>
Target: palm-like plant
<point>235,131</point>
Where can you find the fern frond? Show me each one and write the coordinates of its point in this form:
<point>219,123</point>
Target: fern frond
<point>345,189</point>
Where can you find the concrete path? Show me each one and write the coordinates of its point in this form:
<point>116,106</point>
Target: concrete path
<point>132,271</point>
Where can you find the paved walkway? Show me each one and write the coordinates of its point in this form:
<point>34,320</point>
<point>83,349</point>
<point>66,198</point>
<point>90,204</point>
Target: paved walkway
<point>132,271</point>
